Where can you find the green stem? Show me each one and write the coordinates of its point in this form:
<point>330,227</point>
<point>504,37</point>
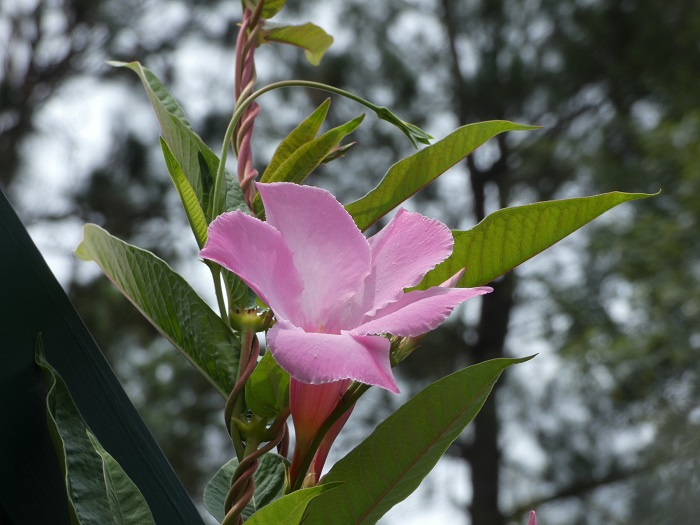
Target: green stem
<point>240,108</point>
<point>352,394</point>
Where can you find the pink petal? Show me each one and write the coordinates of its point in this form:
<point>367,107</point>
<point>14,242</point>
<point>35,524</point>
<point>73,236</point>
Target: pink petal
<point>311,405</point>
<point>321,358</point>
<point>330,252</point>
<point>533,518</point>
<point>256,252</point>
<point>417,312</point>
<point>402,253</point>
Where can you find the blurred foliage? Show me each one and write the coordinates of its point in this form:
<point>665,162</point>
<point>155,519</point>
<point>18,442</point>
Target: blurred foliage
<point>614,83</point>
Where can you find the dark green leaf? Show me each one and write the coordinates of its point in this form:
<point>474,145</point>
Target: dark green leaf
<point>269,485</point>
<point>125,500</point>
<point>311,38</point>
<point>98,489</point>
<point>168,302</point>
<point>390,464</point>
<point>267,389</point>
<point>511,236</point>
<point>411,174</point>
<point>186,146</point>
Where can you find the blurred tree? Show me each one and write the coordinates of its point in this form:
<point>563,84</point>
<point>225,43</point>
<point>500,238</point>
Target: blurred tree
<point>614,85</point>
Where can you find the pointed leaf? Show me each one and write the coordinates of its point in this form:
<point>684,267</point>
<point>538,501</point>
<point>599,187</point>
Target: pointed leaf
<point>303,133</point>
<point>267,389</point>
<point>411,174</point>
<point>125,499</point>
<point>311,38</point>
<point>193,210</point>
<point>272,7</point>
<point>390,464</point>
<point>196,159</point>
<point>168,302</point>
<point>98,489</point>
<point>511,236</point>
<point>269,485</point>
<point>307,157</point>
<point>290,509</point>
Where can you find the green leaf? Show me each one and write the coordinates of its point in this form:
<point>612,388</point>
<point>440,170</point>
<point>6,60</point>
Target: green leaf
<point>267,389</point>
<point>194,212</point>
<point>290,509</point>
<point>390,464</point>
<point>307,157</point>
<point>169,303</point>
<point>303,133</point>
<point>272,7</point>
<point>98,489</point>
<point>197,161</point>
<point>125,499</point>
<point>311,38</point>
<point>269,485</point>
<point>411,174</point>
<point>511,236</point>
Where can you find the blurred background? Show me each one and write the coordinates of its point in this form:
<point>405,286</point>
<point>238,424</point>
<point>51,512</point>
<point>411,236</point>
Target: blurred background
<point>604,425</point>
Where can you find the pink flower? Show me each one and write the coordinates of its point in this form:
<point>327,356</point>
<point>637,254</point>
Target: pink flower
<point>333,292</point>
<point>533,518</point>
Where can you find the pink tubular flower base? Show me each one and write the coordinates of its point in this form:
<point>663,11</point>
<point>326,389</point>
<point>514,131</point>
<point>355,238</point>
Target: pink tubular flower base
<point>334,293</point>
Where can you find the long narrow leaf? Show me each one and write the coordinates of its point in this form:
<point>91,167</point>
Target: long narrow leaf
<point>307,157</point>
<point>511,236</point>
<point>303,133</point>
<point>197,160</point>
<point>98,489</point>
<point>411,174</point>
<point>390,464</point>
<point>168,302</point>
<point>193,210</point>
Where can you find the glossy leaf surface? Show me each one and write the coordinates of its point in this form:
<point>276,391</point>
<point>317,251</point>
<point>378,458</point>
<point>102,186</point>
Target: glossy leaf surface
<point>390,464</point>
<point>411,174</point>
<point>168,302</point>
<point>511,236</point>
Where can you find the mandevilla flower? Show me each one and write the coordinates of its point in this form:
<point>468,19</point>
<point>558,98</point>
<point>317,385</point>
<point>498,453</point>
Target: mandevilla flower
<point>334,294</point>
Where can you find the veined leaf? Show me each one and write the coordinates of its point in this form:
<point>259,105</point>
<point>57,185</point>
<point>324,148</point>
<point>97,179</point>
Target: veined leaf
<point>169,303</point>
<point>303,133</point>
<point>98,489</point>
<point>311,38</point>
<point>511,236</point>
<point>186,146</point>
<point>290,509</point>
<point>411,174</point>
<point>193,210</point>
<point>269,485</point>
<point>390,464</point>
<point>307,157</point>
<point>267,389</point>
